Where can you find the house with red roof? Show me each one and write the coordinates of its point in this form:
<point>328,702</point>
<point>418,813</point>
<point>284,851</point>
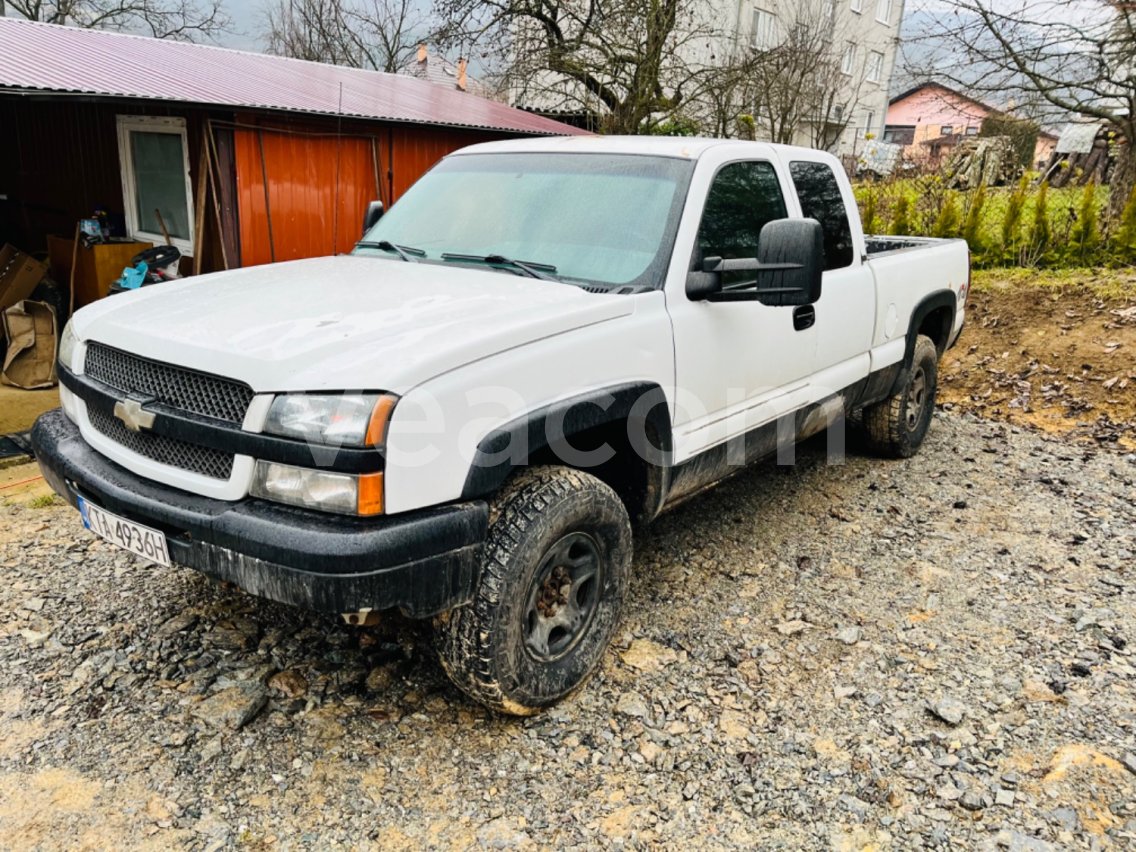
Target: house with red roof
<point>241,158</point>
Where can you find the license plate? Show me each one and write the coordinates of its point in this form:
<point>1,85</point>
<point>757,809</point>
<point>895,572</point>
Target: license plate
<point>147,543</point>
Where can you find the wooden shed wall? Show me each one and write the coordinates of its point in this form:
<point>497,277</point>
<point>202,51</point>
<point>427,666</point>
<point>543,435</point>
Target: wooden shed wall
<point>321,175</point>
<point>59,161</point>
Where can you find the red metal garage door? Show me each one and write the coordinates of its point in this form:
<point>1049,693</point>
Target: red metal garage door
<point>318,186</point>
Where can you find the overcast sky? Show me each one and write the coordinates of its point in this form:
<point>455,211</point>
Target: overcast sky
<point>248,17</point>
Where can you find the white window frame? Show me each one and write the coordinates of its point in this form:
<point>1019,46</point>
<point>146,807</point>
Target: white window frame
<point>152,124</point>
<point>757,42</point>
<point>875,66</point>
<point>869,122</point>
<point>857,6</point>
<point>883,11</point>
<point>848,60</point>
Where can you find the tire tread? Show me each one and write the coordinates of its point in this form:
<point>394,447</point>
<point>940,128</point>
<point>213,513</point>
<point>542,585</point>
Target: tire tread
<point>883,423</point>
<point>464,643</point>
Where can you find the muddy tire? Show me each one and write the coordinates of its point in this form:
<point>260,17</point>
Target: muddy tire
<point>555,570</point>
<point>897,426</point>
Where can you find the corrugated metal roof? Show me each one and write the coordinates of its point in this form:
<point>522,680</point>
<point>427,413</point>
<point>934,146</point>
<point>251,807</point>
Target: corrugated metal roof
<point>1078,138</point>
<point>93,62</point>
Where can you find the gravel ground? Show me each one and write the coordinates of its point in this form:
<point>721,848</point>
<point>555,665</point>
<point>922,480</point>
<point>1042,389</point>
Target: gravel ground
<point>925,653</point>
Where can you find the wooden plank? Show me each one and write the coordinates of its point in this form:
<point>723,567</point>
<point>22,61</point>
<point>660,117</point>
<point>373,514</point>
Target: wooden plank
<point>214,163</point>
<point>199,200</point>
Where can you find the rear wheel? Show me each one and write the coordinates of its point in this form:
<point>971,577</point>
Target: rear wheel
<point>897,426</point>
<point>555,570</point>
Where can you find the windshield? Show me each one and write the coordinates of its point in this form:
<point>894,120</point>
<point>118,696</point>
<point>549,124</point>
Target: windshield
<point>590,218</point>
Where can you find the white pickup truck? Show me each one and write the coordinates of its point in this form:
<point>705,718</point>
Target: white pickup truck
<point>543,343</point>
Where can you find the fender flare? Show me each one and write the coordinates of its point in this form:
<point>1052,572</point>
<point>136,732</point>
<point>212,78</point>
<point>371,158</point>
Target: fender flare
<point>933,302</point>
<point>642,405</point>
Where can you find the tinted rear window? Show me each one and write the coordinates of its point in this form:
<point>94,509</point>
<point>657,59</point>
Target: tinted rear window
<point>819,191</point>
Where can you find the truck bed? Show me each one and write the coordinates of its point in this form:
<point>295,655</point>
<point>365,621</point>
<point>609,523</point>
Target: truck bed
<point>880,244</point>
<point>906,270</point>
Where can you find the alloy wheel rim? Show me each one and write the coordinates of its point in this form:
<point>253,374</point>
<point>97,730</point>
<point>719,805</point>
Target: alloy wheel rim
<point>563,597</point>
<point>916,398</point>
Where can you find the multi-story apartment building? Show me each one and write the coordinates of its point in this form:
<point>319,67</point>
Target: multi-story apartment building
<point>860,38</point>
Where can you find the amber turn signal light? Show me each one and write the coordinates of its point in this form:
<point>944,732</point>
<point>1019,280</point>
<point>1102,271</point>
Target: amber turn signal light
<point>370,494</point>
<point>380,419</point>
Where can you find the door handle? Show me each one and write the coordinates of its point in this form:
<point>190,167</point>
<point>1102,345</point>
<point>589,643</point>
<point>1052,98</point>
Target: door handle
<point>804,317</point>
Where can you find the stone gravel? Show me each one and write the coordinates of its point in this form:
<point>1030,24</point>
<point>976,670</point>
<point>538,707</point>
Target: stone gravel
<point>928,653</point>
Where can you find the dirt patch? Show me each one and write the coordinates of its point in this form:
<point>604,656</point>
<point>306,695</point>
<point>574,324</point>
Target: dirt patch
<point>1053,352</point>
<point>59,807</point>
<point>19,408</point>
<point>22,484</point>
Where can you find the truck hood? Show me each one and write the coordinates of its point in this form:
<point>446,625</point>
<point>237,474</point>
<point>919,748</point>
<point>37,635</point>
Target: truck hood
<point>340,323</point>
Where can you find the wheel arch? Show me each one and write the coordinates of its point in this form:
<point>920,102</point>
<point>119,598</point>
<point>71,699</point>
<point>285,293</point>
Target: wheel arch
<point>633,419</point>
<point>934,317</point>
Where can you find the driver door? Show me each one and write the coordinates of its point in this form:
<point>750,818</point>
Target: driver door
<point>739,365</point>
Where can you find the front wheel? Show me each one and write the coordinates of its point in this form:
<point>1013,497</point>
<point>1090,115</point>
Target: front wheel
<point>897,426</point>
<point>555,571</point>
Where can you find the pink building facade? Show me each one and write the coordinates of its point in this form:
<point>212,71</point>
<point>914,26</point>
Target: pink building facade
<point>930,120</point>
<point>930,111</point>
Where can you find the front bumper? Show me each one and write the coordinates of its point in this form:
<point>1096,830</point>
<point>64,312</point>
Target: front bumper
<point>423,562</point>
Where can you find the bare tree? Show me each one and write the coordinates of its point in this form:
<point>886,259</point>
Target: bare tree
<point>799,81</point>
<point>834,98</point>
<point>380,35</point>
<point>1050,58</point>
<point>788,82</point>
<point>180,20</point>
<point>726,98</point>
<point>629,62</point>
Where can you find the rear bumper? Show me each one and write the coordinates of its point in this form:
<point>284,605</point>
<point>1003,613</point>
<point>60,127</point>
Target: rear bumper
<point>422,562</point>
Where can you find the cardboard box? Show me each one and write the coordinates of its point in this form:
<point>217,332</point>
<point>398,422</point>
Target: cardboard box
<point>30,362</point>
<point>19,275</point>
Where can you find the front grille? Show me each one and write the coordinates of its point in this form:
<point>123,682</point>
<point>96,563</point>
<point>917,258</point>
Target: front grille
<point>170,451</point>
<point>177,387</point>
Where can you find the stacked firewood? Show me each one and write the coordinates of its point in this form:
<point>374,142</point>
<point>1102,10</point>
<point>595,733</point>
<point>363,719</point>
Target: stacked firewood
<point>1078,169</point>
<point>982,161</point>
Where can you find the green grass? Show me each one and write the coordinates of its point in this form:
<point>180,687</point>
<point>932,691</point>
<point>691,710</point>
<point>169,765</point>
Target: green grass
<point>42,501</point>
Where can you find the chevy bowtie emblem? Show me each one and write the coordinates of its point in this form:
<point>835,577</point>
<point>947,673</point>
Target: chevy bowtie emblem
<point>133,415</point>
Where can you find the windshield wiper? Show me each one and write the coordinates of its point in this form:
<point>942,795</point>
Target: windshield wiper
<point>404,252</point>
<point>533,270</point>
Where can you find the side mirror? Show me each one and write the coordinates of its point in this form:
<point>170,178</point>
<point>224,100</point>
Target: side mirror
<point>374,214</point>
<point>788,269</point>
<point>797,245</point>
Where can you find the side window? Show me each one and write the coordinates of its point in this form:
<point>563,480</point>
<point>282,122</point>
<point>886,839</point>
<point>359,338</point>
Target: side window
<point>742,199</point>
<point>820,196</point>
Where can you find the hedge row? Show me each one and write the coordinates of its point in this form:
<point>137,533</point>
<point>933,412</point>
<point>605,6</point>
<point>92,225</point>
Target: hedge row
<point>1029,225</point>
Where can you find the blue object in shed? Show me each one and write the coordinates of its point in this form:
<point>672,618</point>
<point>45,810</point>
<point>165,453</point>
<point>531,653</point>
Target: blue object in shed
<point>133,276</point>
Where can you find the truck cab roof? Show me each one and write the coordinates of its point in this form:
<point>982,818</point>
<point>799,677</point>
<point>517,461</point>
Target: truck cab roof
<point>684,147</point>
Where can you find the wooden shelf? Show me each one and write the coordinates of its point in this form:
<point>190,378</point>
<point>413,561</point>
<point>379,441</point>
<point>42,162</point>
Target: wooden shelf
<point>98,266</point>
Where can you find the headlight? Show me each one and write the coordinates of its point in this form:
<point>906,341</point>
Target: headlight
<point>67,343</point>
<point>342,420</point>
<point>344,493</point>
